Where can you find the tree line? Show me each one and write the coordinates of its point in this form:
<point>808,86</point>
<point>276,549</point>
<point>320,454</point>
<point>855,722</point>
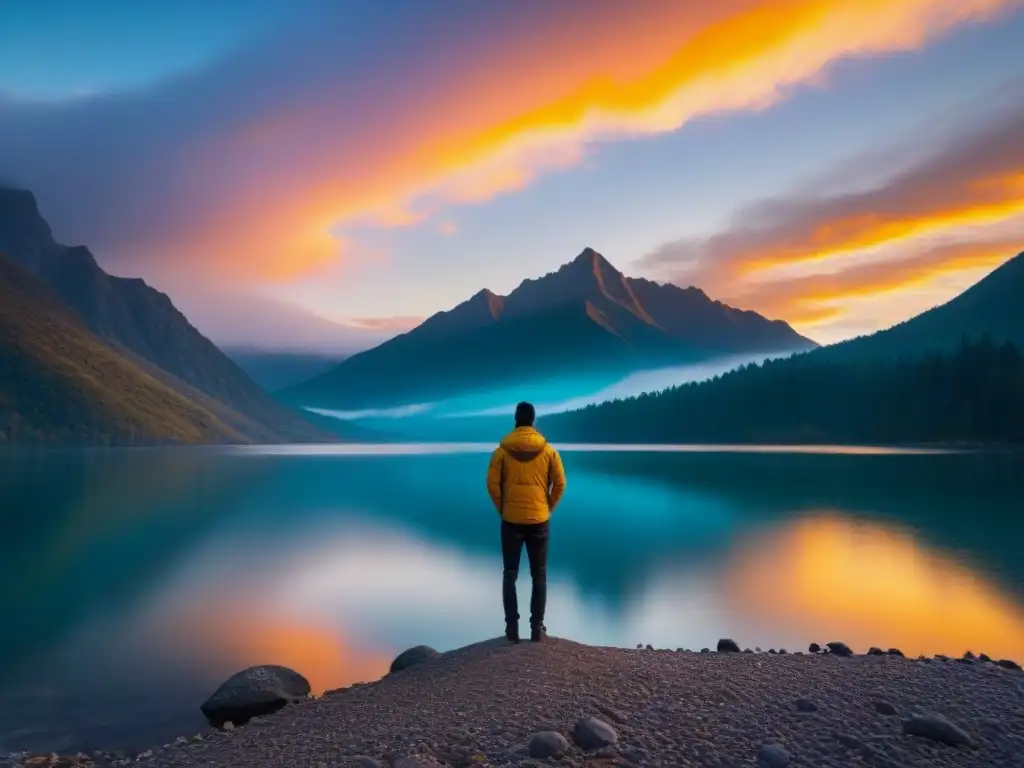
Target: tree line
<point>973,394</point>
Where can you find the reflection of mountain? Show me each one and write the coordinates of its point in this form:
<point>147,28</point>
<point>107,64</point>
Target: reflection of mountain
<point>89,530</point>
<point>585,319</point>
<point>142,325</point>
<point>60,383</point>
<point>952,374</point>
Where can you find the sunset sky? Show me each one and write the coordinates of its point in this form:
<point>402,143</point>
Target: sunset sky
<point>317,173</point>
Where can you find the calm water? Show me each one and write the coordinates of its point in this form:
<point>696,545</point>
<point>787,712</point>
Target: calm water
<point>132,583</point>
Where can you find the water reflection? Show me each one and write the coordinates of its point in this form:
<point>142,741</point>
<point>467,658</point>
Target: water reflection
<point>870,584</point>
<point>140,579</point>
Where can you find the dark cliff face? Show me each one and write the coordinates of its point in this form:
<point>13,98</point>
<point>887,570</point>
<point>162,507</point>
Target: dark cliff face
<point>585,317</point>
<point>133,317</point>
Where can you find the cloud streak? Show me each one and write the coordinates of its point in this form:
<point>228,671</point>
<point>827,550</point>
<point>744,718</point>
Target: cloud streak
<point>255,168</point>
<point>956,211</point>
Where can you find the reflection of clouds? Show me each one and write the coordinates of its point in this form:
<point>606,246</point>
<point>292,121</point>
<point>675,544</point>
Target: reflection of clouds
<point>869,584</point>
<point>337,600</point>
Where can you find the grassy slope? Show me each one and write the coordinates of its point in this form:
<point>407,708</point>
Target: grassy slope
<point>60,383</point>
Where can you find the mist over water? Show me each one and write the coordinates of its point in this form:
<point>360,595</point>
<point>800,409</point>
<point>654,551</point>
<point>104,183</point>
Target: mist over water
<point>550,395</point>
<point>141,579</point>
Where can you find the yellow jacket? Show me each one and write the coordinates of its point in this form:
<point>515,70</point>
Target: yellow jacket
<point>525,478</point>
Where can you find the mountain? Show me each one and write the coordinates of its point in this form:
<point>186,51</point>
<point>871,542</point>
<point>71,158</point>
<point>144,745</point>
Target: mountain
<point>59,383</point>
<point>141,325</point>
<point>994,306</point>
<point>954,373</point>
<point>585,318</point>
<point>277,370</point>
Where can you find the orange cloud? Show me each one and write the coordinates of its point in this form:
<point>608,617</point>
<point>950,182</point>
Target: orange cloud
<point>809,260</point>
<point>398,324</point>
<point>620,70</point>
<point>447,228</point>
<point>814,299</point>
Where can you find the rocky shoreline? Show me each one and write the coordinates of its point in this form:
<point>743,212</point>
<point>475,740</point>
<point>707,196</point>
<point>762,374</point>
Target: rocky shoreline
<point>561,702</point>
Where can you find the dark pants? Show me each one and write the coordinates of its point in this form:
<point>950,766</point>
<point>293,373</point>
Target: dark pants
<point>535,537</point>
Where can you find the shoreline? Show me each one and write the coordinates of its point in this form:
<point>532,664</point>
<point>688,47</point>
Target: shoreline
<point>497,704</point>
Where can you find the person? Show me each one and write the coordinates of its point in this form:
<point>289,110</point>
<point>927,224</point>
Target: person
<point>525,480</point>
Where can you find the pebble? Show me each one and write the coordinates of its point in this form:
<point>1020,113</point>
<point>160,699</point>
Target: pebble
<point>806,705</point>
<point>545,744</point>
<point>884,707</point>
<point>840,649</point>
<point>591,733</point>
<point>937,728</point>
<point>773,756</point>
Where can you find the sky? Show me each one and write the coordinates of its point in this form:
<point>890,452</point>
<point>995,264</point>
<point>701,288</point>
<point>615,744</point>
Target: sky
<point>319,174</point>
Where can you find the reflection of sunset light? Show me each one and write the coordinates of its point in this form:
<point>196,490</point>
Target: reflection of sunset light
<point>872,585</point>
<point>239,639</point>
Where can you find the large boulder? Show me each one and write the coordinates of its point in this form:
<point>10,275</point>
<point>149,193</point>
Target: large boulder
<point>254,692</point>
<point>415,655</point>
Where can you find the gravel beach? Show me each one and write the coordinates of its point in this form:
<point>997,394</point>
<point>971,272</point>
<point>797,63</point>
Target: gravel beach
<point>485,704</point>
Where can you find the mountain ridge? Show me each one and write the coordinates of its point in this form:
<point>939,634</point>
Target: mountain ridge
<point>586,316</point>
<point>142,324</point>
<point>60,383</point>
<point>954,372</point>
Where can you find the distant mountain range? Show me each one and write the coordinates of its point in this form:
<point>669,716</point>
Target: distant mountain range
<point>141,326</point>
<point>952,374</point>
<point>275,371</point>
<point>585,318</point>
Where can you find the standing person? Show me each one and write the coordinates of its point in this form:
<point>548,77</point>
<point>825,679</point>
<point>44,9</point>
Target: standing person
<point>525,480</point>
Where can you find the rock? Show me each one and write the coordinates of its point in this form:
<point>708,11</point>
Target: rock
<point>649,647</point>
<point>365,761</point>
<point>228,725</point>
<point>940,657</point>
<point>840,649</point>
<point>413,656</point>
<point>254,691</point>
<point>1008,664</point>
<point>896,652</point>
<point>783,652</point>
<point>872,651</point>
<point>757,649</point>
<point>544,744</point>
<point>726,645</point>
<point>591,733</point>
<point>772,756</point>
<point>884,707</point>
<point>814,648</point>
<point>614,714</point>
<point>772,651</point>
<point>984,657</point>
<point>705,650</point>
<point>639,646</point>
<point>806,705</point>
<point>966,660</point>
<point>937,728</point>
<point>747,650</point>
<point>969,655</point>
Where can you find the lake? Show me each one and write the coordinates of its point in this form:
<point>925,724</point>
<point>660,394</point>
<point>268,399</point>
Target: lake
<point>132,582</point>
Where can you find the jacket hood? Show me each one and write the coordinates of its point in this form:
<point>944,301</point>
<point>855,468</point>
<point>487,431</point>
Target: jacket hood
<point>524,443</point>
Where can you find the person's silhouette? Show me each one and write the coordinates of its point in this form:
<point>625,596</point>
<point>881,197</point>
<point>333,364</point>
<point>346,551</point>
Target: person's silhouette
<point>525,480</point>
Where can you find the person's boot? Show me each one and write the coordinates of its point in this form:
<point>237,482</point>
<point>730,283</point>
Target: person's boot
<point>512,632</point>
<point>538,633</point>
